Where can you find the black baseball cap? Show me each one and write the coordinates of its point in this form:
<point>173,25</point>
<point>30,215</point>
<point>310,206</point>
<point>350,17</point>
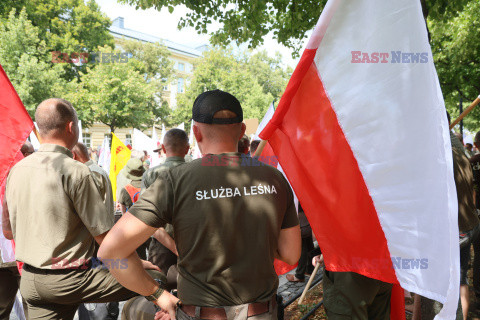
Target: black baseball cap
<point>210,102</point>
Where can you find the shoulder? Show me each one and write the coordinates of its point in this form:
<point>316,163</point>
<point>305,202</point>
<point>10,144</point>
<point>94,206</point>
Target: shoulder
<point>475,158</point>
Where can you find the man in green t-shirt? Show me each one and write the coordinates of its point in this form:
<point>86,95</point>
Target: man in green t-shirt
<point>231,218</point>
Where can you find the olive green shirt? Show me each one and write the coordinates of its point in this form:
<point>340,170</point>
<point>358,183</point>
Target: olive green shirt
<point>55,208</point>
<point>151,174</point>
<point>227,214</point>
<point>463,174</point>
<point>103,183</point>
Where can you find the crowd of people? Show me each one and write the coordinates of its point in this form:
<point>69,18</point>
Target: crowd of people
<point>194,241</point>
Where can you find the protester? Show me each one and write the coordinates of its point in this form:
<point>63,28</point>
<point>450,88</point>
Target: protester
<point>475,163</point>
<point>226,242</point>
<point>80,153</point>
<point>27,149</point>
<point>469,149</point>
<point>9,275</point>
<point>57,215</point>
<point>304,267</point>
<point>244,145</point>
<point>162,251</point>
<point>110,310</point>
<point>253,147</point>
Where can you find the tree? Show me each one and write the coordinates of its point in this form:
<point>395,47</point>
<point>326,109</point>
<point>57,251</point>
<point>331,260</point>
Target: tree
<point>116,94</point>
<point>246,21</point>
<point>67,26</point>
<point>456,52</point>
<point>23,57</point>
<point>245,76</point>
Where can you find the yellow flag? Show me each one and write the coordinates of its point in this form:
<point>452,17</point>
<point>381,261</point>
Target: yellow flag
<point>120,155</point>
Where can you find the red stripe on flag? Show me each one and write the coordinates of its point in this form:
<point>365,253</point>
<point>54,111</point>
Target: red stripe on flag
<point>15,125</point>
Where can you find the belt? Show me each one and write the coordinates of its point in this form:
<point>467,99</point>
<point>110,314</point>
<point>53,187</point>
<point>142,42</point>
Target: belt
<point>31,269</point>
<point>212,313</point>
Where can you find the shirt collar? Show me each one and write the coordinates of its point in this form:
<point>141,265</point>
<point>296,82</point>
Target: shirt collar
<point>89,162</point>
<point>47,147</point>
<point>175,159</point>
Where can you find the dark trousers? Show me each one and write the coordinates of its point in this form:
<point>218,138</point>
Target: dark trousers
<point>305,261</point>
<point>9,283</point>
<point>349,295</point>
<point>476,266</point>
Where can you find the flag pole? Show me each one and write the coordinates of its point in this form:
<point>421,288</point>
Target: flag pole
<point>464,113</point>
<point>36,133</point>
<point>260,148</point>
<point>309,283</point>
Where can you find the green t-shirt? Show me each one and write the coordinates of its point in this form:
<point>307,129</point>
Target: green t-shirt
<point>227,212</point>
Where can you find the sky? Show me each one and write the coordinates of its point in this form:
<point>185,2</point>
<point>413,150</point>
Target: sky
<point>164,25</point>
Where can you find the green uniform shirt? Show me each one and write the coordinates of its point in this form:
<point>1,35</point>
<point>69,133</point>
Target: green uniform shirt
<point>125,198</point>
<point>55,208</point>
<point>103,183</point>
<point>467,218</point>
<point>151,174</point>
<point>227,212</point>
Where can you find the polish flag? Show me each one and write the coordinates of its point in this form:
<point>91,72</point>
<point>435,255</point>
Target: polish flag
<point>362,135</point>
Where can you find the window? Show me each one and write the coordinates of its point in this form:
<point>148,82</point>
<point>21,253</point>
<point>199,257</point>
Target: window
<point>165,87</point>
<point>128,139</point>
<point>87,139</point>
<point>181,66</point>
<point>180,85</point>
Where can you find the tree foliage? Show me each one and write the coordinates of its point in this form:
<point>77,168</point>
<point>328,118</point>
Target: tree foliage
<point>115,94</point>
<point>456,52</point>
<point>246,21</point>
<point>69,26</point>
<point>255,80</point>
<point>23,57</point>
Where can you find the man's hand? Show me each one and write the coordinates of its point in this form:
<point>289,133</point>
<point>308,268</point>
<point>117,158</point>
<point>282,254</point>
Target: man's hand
<point>317,259</point>
<point>168,303</point>
<point>147,265</point>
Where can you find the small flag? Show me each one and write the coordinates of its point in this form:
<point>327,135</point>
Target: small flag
<point>120,155</point>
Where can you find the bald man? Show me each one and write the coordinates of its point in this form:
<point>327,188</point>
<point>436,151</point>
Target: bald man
<point>57,216</point>
<point>81,154</point>
<point>230,222</point>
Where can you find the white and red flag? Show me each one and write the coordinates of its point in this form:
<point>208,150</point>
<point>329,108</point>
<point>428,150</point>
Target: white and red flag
<point>362,135</point>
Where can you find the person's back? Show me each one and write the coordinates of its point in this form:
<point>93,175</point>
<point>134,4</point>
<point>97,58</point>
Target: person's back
<point>227,218</point>
<point>231,217</point>
<point>53,181</point>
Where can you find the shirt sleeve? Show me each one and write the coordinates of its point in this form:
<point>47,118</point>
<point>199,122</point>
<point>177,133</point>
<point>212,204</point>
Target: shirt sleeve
<point>155,206</point>
<point>290,219</point>
<point>125,198</point>
<point>90,207</point>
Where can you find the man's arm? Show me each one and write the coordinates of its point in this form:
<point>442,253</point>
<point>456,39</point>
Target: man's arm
<point>120,243</point>
<point>289,245</point>
<point>164,238</point>
<point>7,228</point>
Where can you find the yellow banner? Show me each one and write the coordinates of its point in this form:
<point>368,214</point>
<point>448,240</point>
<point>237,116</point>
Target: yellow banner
<point>120,155</point>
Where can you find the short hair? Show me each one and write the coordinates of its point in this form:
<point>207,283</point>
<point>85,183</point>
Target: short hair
<point>459,136</point>
<point>477,137</point>
<point>175,140</point>
<point>26,148</point>
<point>243,144</point>
<point>254,146</point>
<point>81,150</point>
<point>56,118</point>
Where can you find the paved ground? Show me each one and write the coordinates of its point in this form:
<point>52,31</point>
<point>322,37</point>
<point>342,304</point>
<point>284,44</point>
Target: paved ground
<point>285,288</point>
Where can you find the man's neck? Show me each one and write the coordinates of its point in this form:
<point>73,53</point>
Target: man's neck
<point>169,155</point>
<point>55,141</point>
<point>217,149</point>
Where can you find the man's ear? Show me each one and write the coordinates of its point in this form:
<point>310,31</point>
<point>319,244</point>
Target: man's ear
<point>242,130</point>
<point>163,149</point>
<point>70,126</point>
<point>187,148</point>
<point>197,133</point>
